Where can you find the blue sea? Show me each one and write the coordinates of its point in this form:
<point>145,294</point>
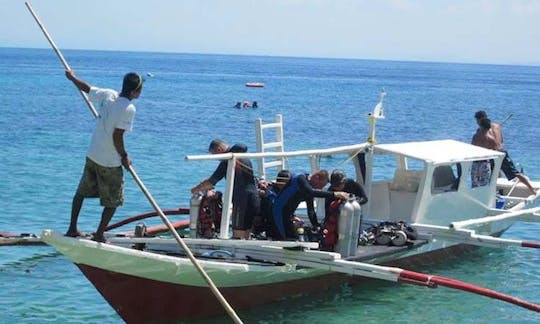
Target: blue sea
<point>188,100</point>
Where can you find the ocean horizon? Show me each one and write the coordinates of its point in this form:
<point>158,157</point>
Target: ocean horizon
<point>528,64</point>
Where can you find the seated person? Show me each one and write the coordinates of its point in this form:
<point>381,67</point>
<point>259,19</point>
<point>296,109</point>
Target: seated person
<point>295,189</point>
<point>268,192</point>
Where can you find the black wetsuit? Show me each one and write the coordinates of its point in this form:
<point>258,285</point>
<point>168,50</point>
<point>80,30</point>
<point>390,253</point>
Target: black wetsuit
<point>298,189</point>
<point>245,199</point>
<point>352,187</point>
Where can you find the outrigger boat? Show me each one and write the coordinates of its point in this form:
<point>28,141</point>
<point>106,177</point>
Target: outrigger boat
<point>427,186</point>
<point>151,279</point>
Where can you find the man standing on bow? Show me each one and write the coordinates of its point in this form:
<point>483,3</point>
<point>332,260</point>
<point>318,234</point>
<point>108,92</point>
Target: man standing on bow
<point>103,175</point>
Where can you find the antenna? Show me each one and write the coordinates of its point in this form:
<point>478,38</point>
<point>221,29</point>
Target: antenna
<point>377,113</point>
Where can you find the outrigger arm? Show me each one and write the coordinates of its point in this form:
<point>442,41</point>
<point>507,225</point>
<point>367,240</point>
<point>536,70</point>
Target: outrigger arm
<point>332,262</point>
<point>433,232</point>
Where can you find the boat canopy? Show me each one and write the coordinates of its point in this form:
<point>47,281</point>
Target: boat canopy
<point>440,151</point>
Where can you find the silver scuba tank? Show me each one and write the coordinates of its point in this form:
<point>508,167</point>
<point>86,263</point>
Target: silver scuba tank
<point>346,230</point>
<point>357,219</point>
<point>194,207</point>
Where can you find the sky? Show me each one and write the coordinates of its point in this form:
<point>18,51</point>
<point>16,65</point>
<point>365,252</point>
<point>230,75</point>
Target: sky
<point>468,31</point>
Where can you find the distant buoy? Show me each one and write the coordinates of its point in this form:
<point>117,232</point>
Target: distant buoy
<point>255,84</point>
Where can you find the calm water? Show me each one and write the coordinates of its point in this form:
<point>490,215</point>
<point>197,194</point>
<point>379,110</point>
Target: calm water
<point>45,128</point>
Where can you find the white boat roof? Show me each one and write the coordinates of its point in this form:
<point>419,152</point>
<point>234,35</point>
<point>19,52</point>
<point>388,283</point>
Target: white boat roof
<point>439,151</point>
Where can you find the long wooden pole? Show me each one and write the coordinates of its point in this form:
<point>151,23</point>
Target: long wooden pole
<point>182,244</point>
<point>211,284</point>
<point>60,56</point>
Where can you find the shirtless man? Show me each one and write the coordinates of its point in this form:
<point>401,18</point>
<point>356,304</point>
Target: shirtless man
<point>495,133</point>
<point>485,136</point>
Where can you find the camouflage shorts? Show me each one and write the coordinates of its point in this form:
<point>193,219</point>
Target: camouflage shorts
<point>107,183</point>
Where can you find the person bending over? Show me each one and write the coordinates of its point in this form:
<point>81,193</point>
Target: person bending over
<point>298,188</point>
<point>339,182</point>
<point>245,199</point>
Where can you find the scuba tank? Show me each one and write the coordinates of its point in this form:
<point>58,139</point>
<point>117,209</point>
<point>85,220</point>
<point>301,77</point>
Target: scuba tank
<point>346,230</point>
<point>357,226</point>
<point>194,207</point>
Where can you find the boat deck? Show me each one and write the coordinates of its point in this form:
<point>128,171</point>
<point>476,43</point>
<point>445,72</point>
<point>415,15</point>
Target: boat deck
<point>368,252</point>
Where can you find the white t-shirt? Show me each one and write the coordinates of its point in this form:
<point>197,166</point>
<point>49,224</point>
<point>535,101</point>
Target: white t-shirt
<point>114,112</point>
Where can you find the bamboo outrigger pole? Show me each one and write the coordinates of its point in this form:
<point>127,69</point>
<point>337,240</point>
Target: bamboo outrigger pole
<point>164,218</point>
<point>331,261</point>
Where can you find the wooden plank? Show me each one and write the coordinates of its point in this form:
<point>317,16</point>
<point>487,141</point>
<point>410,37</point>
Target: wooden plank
<point>213,242</point>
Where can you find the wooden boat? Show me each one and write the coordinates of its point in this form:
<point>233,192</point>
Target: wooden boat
<point>424,184</point>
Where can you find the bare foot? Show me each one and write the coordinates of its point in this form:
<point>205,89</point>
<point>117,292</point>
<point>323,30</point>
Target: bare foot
<point>99,238</point>
<point>74,234</point>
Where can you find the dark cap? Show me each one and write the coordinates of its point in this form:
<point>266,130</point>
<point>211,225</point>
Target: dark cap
<point>238,148</point>
<point>480,114</point>
<point>283,177</point>
<point>337,178</point>
<point>132,82</point>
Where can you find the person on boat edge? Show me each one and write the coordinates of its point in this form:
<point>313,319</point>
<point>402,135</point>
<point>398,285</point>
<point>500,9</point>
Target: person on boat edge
<point>298,188</point>
<point>103,175</point>
<point>245,199</point>
<point>481,170</point>
<point>507,166</point>
<point>339,182</point>
<point>268,191</point>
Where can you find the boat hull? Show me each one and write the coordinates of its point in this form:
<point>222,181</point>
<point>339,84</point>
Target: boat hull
<point>141,300</point>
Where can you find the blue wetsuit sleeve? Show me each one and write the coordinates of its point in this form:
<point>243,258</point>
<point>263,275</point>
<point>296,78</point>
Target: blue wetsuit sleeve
<point>307,189</point>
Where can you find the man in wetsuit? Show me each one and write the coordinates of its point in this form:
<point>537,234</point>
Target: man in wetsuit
<point>297,189</point>
<point>339,182</point>
<point>245,199</point>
